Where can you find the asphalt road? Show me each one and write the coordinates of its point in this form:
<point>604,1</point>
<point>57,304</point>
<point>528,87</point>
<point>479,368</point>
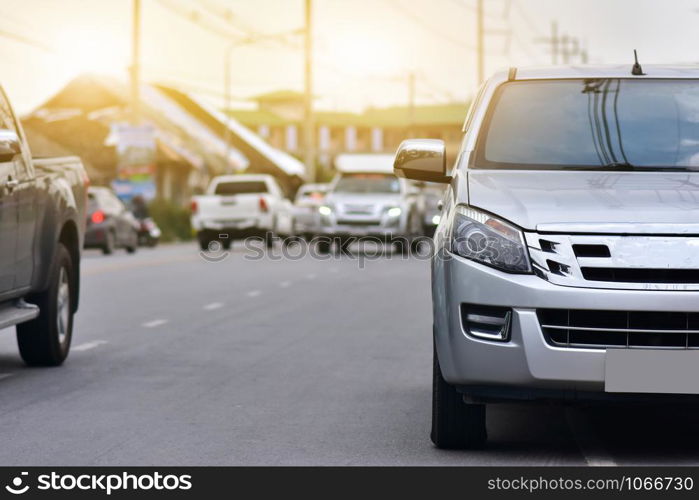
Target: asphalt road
<point>180,361</point>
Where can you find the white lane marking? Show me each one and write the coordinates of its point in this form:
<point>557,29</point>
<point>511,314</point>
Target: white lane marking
<point>253,293</point>
<point>213,306</point>
<point>154,323</point>
<point>311,276</point>
<point>285,284</point>
<point>5,375</point>
<point>590,445</point>
<point>89,345</point>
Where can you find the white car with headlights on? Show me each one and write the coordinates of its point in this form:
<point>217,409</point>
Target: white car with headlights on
<point>367,199</point>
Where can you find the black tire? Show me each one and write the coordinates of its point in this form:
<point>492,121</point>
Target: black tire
<point>455,424</point>
<point>269,239</point>
<point>133,245</point>
<point>323,247</point>
<point>204,239</point>
<point>342,246</point>
<point>401,247</point>
<point>226,243</point>
<point>109,243</point>
<point>45,341</point>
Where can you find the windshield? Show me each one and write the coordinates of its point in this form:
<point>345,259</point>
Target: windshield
<point>593,123</point>
<point>367,183</point>
<point>240,187</point>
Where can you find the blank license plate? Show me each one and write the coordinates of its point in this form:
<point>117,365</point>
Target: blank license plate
<point>652,371</point>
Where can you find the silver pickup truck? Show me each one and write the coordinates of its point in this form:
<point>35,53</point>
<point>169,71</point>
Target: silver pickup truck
<point>42,228</point>
<point>567,252</point>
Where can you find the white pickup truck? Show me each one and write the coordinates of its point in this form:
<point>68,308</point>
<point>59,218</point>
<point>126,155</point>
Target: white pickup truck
<point>239,206</point>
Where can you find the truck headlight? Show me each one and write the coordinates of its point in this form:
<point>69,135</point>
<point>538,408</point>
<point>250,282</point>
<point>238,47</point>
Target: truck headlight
<point>394,212</point>
<point>486,239</point>
<point>325,210</point>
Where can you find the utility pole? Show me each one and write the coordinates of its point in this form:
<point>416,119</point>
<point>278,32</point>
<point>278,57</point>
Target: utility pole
<point>480,49</point>
<point>554,41</point>
<point>309,125</point>
<point>136,62</point>
<point>227,102</point>
<point>411,104</point>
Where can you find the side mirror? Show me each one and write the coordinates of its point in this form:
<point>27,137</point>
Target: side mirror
<point>422,160</point>
<point>9,145</point>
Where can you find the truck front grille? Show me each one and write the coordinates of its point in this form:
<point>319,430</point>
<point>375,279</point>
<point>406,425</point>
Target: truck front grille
<point>626,261</point>
<point>634,275</point>
<point>599,329</point>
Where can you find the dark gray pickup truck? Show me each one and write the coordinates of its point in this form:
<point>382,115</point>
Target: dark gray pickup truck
<point>42,226</point>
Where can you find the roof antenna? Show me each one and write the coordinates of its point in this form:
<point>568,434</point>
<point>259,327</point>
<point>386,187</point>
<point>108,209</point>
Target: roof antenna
<point>636,69</point>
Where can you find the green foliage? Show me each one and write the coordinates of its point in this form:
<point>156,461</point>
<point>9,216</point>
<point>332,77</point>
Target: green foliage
<point>172,219</point>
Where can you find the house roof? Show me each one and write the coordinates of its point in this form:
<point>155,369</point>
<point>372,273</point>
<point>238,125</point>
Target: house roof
<point>451,114</point>
<point>249,143</point>
<point>279,95</point>
<point>399,116</point>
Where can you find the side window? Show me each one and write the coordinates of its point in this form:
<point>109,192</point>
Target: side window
<point>8,122</point>
<point>117,205</point>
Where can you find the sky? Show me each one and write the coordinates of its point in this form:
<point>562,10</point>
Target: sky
<point>363,49</point>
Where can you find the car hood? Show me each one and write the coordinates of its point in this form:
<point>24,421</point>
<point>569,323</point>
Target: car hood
<point>584,201</point>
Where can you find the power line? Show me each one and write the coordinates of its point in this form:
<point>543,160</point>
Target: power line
<point>194,16</point>
<point>26,41</point>
<point>528,20</point>
<point>395,4</point>
<point>225,13</point>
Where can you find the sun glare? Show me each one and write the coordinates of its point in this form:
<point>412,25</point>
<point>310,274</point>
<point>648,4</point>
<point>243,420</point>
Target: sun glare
<point>93,51</point>
<point>363,53</point>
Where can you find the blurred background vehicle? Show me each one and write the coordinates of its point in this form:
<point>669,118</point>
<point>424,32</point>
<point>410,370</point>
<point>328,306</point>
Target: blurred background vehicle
<point>148,231</point>
<point>238,206</point>
<point>110,224</point>
<point>309,198</point>
<point>428,202</point>
<point>367,199</point>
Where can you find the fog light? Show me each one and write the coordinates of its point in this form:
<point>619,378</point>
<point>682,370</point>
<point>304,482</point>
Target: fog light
<point>323,210</point>
<point>486,322</point>
<point>394,212</point>
<point>436,219</point>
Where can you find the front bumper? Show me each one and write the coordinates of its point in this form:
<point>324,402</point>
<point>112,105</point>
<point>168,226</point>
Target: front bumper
<point>384,227</point>
<point>95,236</point>
<point>241,224</point>
<point>526,362</point>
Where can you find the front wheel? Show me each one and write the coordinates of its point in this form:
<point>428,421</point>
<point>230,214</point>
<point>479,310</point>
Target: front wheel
<point>109,243</point>
<point>45,341</point>
<point>133,244</point>
<point>455,424</point>
<point>204,238</point>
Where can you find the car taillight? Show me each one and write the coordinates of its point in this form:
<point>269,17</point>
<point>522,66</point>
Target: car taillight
<point>263,205</point>
<point>194,206</point>
<point>98,217</point>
